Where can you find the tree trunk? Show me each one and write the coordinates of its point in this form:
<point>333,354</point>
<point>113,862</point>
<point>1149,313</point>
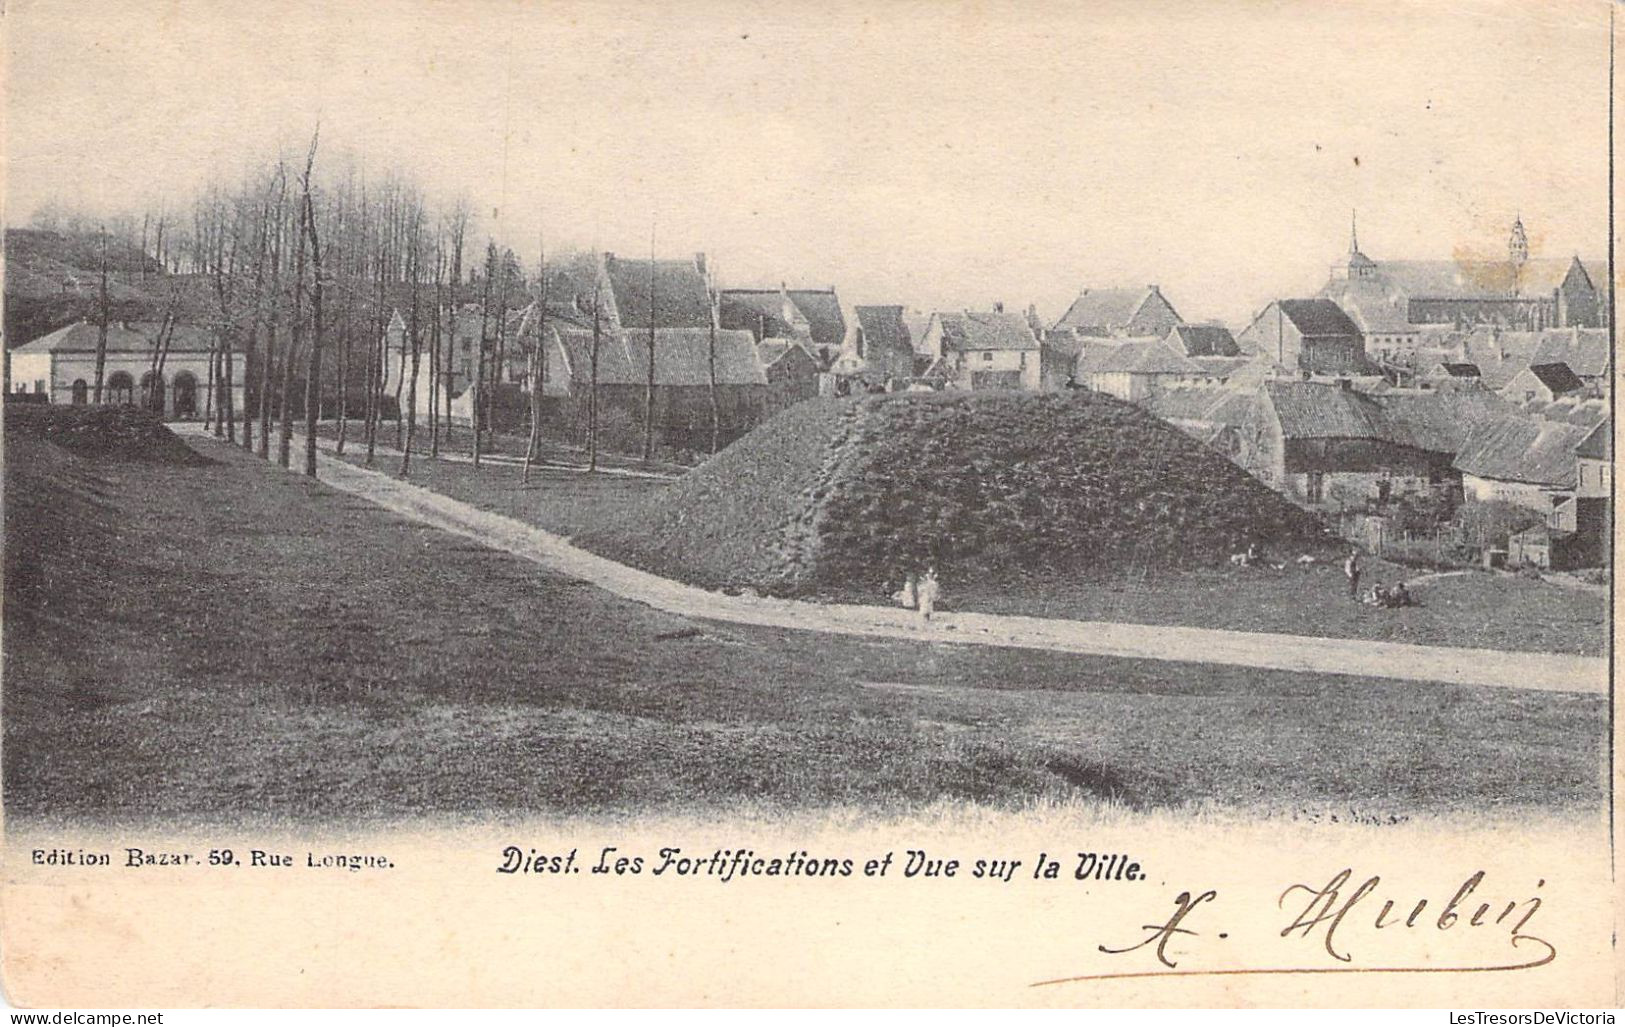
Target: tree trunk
<point>101,332</point>
<point>313,381</point>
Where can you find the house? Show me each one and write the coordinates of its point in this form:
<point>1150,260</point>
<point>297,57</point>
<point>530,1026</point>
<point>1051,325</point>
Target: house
<point>62,366</point>
<point>1590,515</point>
<point>882,343</point>
<point>1134,370</point>
<point>1120,312</point>
<point>685,362</point>
<point>982,350</point>
<point>1312,336</point>
<point>1214,417</point>
<point>1391,299</point>
<point>1447,373</point>
<point>1542,383</point>
<point>1203,341</point>
<point>1522,460</point>
<point>791,371</point>
<point>812,317</point>
<point>1331,444</point>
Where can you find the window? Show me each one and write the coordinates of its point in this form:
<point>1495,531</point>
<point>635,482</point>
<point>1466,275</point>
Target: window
<point>987,355</point>
<point>80,392</point>
<point>1023,358</point>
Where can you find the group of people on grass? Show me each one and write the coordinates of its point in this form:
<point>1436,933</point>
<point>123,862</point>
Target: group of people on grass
<point>1377,594</point>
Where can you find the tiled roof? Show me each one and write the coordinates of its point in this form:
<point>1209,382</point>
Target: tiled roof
<point>680,296</point>
<point>1434,421</point>
<point>1147,358</point>
<point>682,357</point>
<point>760,311</point>
<point>1203,340</point>
<point>822,309</point>
<point>985,330</point>
<point>1318,317</point>
<point>1556,377</point>
<point>134,337</point>
<point>771,351</point>
<point>1519,449</point>
<point>1598,443</point>
<point>884,328</point>
<point>1478,279</point>
<point>1104,308</point>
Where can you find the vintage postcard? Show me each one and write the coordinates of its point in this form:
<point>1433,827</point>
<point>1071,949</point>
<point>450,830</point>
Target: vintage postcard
<point>724,503</point>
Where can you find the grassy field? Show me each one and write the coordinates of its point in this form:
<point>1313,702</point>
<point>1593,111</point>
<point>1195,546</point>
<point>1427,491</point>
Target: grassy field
<point>1475,610</point>
<point>228,640</point>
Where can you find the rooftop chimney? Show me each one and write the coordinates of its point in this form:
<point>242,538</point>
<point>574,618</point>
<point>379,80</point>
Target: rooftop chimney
<point>699,263</point>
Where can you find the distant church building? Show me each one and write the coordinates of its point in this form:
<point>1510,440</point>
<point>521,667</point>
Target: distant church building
<point>1392,299</point>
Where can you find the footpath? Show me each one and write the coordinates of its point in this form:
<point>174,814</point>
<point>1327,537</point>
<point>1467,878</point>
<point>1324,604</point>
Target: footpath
<point>1548,672</point>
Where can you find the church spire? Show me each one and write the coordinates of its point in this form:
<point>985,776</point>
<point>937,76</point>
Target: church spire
<point>1360,265</point>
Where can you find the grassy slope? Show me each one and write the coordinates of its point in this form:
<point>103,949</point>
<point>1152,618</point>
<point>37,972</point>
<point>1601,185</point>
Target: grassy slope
<point>852,496</point>
<point>1492,611</point>
<point>226,639</point>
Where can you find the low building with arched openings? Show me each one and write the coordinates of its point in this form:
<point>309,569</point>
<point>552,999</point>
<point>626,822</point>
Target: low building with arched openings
<point>63,364</point>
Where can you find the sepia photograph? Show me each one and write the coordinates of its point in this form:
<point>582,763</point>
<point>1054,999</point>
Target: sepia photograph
<point>1122,490</point>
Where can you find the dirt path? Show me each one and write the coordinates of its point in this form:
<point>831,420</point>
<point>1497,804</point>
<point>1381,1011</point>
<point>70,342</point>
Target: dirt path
<point>1394,660</point>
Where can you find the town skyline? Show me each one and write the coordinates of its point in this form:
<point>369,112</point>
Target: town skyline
<point>1024,176</point>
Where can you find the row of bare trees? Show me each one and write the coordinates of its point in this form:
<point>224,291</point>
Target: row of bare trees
<point>338,292</point>
<point>346,294</point>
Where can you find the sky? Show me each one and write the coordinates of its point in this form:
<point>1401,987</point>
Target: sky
<point>941,155</point>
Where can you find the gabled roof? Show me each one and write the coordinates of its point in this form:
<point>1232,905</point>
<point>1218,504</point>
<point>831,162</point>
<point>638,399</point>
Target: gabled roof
<point>984,330</point>
<point>884,328</point>
<point>1450,369</point>
<point>1434,421</point>
<point>1203,340</point>
<point>1479,279</point>
<point>682,357</point>
<point>1221,367</point>
<point>822,309</point>
<point>1318,317</point>
<point>771,351</point>
<point>1598,443</point>
<point>1557,377</point>
<point>761,311</point>
<point>1146,358</point>
<point>1586,351</point>
<point>1519,449</point>
<point>680,296</point>
<point>133,337</point>
<point>1206,405</point>
<point>1106,308</point>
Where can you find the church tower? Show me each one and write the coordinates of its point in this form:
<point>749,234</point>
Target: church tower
<point>1518,244</point>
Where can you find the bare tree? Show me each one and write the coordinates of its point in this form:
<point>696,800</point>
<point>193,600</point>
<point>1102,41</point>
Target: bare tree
<point>101,331</point>
<point>415,256</point>
<point>313,380</point>
<point>592,394</point>
<point>479,354</point>
<point>537,369</point>
<point>649,386</point>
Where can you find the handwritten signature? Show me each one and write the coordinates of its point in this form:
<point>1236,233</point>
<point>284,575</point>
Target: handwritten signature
<point>1331,913</point>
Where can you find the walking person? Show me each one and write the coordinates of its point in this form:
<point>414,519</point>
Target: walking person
<point>925,593</point>
<point>1351,570</point>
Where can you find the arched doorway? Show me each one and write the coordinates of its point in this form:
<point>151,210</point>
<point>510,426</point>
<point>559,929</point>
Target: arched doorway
<point>81,392</point>
<point>152,392</point>
<point>186,394</point>
<point>120,389</point>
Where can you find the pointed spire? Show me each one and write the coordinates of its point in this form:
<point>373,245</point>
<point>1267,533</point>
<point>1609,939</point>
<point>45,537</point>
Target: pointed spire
<point>1354,231</point>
